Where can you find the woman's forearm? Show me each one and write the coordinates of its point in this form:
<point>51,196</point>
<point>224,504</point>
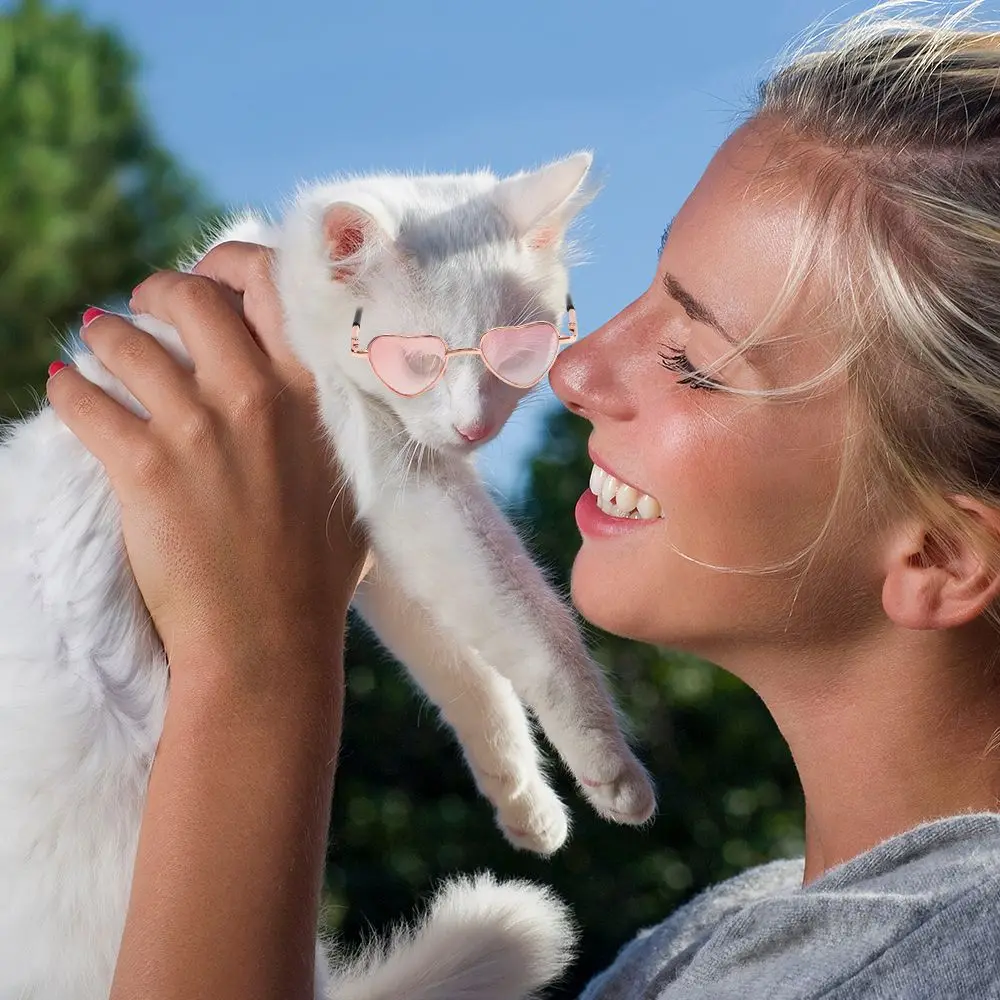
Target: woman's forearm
<point>229,867</point>
<point>242,540</point>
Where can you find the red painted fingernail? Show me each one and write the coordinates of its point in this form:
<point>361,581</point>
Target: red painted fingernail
<point>57,366</point>
<point>91,314</point>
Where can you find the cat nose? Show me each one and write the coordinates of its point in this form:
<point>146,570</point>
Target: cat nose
<point>474,432</point>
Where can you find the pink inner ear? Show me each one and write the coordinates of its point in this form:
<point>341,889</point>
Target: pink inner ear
<point>347,242</point>
<point>542,238</point>
<point>346,229</point>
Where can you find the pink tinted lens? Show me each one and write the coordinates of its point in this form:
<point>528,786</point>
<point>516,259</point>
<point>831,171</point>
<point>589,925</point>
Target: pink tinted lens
<point>521,355</point>
<point>408,365</point>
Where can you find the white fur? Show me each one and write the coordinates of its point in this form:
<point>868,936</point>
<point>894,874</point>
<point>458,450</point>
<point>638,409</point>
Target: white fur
<point>490,941</point>
<point>83,680</point>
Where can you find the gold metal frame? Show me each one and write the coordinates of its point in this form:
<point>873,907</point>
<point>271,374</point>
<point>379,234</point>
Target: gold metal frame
<point>561,339</point>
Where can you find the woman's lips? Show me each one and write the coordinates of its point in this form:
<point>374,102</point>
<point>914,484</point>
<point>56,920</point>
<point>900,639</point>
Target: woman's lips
<point>594,523</point>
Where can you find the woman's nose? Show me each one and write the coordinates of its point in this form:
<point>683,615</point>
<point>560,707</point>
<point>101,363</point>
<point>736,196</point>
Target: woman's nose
<point>587,376</point>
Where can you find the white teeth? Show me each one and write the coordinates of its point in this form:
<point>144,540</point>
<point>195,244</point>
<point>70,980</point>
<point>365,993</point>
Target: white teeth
<point>596,479</point>
<point>627,498</point>
<point>648,507</point>
<point>618,499</point>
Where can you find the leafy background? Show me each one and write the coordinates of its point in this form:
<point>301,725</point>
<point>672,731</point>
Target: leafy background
<point>90,202</point>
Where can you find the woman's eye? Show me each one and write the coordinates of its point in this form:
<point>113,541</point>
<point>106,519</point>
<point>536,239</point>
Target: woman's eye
<point>678,361</point>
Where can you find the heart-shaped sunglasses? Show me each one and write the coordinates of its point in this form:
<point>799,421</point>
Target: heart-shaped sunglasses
<point>410,364</point>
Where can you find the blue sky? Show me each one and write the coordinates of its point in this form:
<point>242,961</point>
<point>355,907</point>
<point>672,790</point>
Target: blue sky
<point>256,95</point>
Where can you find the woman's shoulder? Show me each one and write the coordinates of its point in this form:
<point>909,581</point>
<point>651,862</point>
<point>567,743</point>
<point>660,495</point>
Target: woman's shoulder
<point>641,962</point>
<point>916,916</point>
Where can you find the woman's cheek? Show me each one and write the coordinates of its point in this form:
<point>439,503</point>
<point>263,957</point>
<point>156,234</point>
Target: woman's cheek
<point>697,480</point>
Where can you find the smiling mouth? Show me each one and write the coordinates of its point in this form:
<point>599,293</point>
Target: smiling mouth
<point>619,499</point>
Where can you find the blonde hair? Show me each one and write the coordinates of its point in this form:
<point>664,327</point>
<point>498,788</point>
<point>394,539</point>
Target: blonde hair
<point>892,122</point>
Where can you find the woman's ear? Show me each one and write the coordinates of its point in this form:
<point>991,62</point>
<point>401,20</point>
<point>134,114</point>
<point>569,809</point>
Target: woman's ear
<point>942,577</point>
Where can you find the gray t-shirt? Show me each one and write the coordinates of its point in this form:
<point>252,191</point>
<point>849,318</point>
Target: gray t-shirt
<point>915,918</point>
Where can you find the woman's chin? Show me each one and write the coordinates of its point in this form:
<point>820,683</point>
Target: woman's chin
<point>603,604</point>
<point>628,610</point>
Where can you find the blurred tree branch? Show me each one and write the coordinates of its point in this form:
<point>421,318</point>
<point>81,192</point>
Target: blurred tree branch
<point>89,202</point>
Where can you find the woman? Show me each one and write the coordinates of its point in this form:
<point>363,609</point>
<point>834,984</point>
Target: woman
<point>810,388</point>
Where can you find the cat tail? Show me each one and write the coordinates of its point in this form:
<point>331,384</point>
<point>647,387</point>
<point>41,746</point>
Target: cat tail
<point>479,940</point>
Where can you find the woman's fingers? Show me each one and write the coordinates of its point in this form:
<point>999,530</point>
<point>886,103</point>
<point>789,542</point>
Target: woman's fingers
<point>143,366</point>
<point>246,268</point>
<point>111,433</point>
<point>207,322</point>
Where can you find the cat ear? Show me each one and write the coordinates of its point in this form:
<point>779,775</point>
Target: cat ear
<point>541,204</point>
<point>349,232</point>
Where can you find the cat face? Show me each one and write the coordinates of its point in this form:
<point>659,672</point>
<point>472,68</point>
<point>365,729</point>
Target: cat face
<point>446,256</point>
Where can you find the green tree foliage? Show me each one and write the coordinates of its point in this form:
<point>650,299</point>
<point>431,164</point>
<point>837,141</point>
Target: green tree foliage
<point>406,813</point>
<point>89,202</point>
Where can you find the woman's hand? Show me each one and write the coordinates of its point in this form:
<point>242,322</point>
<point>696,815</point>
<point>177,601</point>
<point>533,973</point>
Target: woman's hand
<point>241,538</point>
<point>237,527</point>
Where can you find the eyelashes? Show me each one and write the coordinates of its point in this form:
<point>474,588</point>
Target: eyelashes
<point>678,361</point>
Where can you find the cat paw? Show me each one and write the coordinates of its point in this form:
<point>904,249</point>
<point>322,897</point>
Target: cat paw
<point>537,821</point>
<point>626,795</point>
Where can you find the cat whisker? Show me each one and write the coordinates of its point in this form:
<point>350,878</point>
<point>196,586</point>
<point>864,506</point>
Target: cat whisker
<point>406,458</point>
<point>403,461</point>
<point>289,383</point>
<point>529,310</point>
<point>342,484</point>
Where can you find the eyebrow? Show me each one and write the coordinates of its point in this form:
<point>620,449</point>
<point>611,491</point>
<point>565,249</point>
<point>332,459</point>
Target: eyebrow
<point>697,310</point>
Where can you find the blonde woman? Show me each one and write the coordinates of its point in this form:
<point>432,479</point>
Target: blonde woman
<point>809,389</point>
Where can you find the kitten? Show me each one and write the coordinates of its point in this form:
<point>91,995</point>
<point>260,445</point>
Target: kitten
<point>454,596</point>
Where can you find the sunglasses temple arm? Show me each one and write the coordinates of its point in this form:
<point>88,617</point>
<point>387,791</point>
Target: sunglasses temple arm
<point>571,321</point>
<point>355,333</point>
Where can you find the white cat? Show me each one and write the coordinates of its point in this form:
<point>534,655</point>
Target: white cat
<point>454,595</point>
